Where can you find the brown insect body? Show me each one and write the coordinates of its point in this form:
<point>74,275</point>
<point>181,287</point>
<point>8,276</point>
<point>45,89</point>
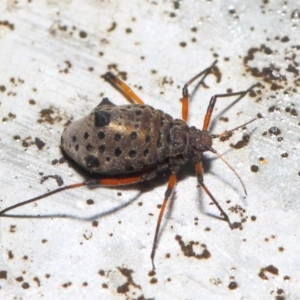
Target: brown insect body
<point>132,138</point>
<point>132,143</point>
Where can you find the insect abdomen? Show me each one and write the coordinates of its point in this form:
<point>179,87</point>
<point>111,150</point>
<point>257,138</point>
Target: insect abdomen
<point>120,139</point>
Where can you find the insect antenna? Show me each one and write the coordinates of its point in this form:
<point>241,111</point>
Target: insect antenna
<point>223,159</point>
<point>225,133</point>
<point>231,168</point>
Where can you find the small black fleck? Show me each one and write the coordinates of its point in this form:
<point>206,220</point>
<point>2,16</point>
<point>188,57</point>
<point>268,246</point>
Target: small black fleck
<point>274,131</point>
<point>101,148</point>
<point>39,143</point>
<point>132,153</point>
<point>54,161</point>
<point>146,152</point>
<point>89,147</point>
<point>232,285</point>
<point>102,118</point>
<point>86,135</point>
<point>117,137</point>
<point>148,138</point>
<point>138,112</point>
<point>74,139</point>
<point>92,161</point>
<point>254,168</point>
<point>133,135</point>
<point>118,152</point>
<point>89,201</point>
<point>3,274</point>
<point>285,39</point>
<point>294,112</point>
<point>259,116</point>
<point>83,34</point>
<point>284,155</point>
<point>107,158</point>
<point>101,135</point>
<point>273,109</point>
<point>25,285</point>
<point>76,147</point>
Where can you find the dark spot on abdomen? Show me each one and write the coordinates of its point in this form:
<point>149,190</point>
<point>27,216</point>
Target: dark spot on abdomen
<point>101,118</point>
<point>92,161</point>
<point>89,147</point>
<point>133,135</point>
<point>118,152</point>
<point>101,135</point>
<point>132,153</point>
<point>101,148</point>
<point>117,137</point>
<point>169,140</point>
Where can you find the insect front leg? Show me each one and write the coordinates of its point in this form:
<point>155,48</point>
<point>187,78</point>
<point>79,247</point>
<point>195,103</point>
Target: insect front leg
<point>213,102</point>
<point>199,173</point>
<point>185,92</point>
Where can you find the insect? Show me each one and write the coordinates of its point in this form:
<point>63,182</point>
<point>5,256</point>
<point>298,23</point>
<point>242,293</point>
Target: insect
<point>132,143</point>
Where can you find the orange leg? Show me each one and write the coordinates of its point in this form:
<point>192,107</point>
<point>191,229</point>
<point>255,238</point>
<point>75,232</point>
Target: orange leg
<point>92,182</point>
<point>123,87</point>
<point>213,102</point>
<point>171,185</point>
<point>199,172</point>
<point>185,93</point>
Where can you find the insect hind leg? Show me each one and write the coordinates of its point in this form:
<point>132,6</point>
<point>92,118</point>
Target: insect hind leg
<point>125,89</point>
<point>171,185</point>
<point>110,182</point>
